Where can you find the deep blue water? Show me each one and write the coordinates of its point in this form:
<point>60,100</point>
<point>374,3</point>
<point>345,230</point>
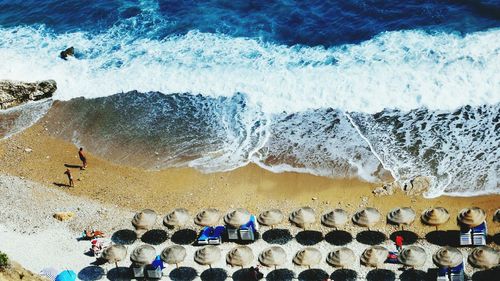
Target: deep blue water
<point>288,22</point>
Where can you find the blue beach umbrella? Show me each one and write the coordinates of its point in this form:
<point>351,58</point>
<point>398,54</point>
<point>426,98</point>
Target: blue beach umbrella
<point>66,275</point>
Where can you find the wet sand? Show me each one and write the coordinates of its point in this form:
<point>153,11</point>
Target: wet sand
<point>35,155</point>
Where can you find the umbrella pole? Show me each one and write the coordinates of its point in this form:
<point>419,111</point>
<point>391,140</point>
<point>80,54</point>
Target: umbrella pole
<point>116,264</point>
<point>177,265</point>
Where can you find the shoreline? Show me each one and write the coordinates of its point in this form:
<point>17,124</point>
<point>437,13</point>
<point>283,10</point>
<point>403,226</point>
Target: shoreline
<point>251,187</point>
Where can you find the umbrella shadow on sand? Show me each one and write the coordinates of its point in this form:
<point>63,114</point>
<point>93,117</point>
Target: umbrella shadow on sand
<point>415,275</point>
<point>309,237</point>
<point>338,237</point>
<point>184,237</point>
<point>183,274</point>
<point>119,274</point>
<point>381,275</point>
<point>213,274</point>
<point>154,236</point>
<point>277,236</point>
<point>370,237</point>
<point>486,275</point>
<point>344,275</point>
<point>91,273</point>
<point>409,237</point>
<point>124,237</point>
<point>443,238</point>
<point>281,274</point>
<point>313,275</point>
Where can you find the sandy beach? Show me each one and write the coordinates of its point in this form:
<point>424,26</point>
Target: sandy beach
<point>106,195</point>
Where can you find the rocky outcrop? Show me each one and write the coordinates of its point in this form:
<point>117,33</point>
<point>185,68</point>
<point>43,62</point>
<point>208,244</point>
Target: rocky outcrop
<point>14,93</point>
<point>414,187</point>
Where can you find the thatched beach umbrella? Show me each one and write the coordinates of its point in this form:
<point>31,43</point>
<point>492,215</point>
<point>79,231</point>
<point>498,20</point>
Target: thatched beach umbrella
<point>307,257</point>
<point>341,257</point>
<point>143,255</point>
<point>240,256</point>
<point>177,217</point>
<point>496,216</point>
<point>335,218</point>
<point>174,254</point>
<point>207,255</point>
<point>471,217</point>
<point>144,221</point>
<point>367,217</point>
<point>272,256</point>
<point>447,257</point>
<point>270,217</point>
<point>207,217</point>
<point>435,216</point>
<point>374,256</point>
<point>303,216</point>
<point>401,216</point>
<point>237,217</point>
<point>484,257</point>
<point>114,253</point>
<point>412,256</point>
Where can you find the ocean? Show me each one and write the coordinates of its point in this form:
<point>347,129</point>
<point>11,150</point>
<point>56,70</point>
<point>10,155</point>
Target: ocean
<point>343,89</point>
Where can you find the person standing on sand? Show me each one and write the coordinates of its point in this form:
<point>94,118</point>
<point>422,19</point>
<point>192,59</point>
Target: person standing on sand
<point>70,177</point>
<point>83,158</point>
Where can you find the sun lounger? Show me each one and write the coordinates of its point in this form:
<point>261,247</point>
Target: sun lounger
<point>210,235</point>
<point>138,271</point>
<point>232,234</point>
<point>247,231</point>
<point>154,272</point>
<point>479,234</point>
<point>442,274</point>
<point>216,236</point>
<point>457,273</point>
<point>465,237</point>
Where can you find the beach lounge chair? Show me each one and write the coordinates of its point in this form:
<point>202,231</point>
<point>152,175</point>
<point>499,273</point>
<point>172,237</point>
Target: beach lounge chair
<point>210,235</point>
<point>232,234</point>
<point>442,274</point>
<point>465,236</point>
<point>154,272</point>
<point>247,231</point>
<point>216,236</point>
<point>138,271</point>
<point>479,234</point>
<point>457,273</point>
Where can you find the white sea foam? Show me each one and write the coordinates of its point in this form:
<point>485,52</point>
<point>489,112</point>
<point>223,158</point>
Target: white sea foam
<point>401,69</point>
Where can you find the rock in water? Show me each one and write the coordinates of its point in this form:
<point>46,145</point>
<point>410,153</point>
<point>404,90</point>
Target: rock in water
<point>68,52</point>
<point>14,93</point>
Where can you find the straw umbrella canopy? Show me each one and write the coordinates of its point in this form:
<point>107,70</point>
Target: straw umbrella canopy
<point>447,257</point>
<point>471,217</point>
<point>335,218</point>
<point>272,256</point>
<point>144,221</point>
<point>237,217</point>
<point>174,254</point>
<point>367,217</point>
<point>207,217</point>
<point>240,256</point>
<point>143,255</point>
<point>207,255</point>
<point>484,257</point>
<point>270,217</point>
<point>413,256</point>
<point>374,256</point>
<point>114,253</point>
<point>401,216</point>
<point>342,257</point>
<point>303,217</point>
<point>435,216</point>
<point>496,216</point>
<point>307,257</point>
<point>178,217</point>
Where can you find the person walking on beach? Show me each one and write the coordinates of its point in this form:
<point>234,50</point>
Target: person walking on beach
<point>70,177</point>
<point>83,158</point>
<point>399,243</point>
